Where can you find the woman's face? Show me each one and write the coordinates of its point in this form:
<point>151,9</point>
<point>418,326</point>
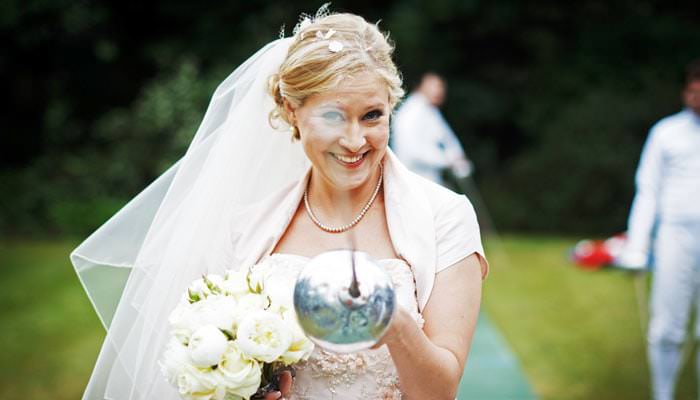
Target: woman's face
<point>345,132</point>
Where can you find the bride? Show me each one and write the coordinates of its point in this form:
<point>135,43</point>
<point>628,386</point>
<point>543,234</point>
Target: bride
<point>250,194</point>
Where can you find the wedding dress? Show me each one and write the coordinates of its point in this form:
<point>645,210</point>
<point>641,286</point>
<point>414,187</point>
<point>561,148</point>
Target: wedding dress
<point>365,375</point>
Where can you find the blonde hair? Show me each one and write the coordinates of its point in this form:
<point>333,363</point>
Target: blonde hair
<point>311,67</point>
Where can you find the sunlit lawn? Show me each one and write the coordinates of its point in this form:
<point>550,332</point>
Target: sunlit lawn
<point>50,334</point>
<point>577,333</point>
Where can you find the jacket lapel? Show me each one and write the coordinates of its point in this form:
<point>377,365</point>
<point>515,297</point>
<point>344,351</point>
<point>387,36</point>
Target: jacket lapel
<point>268,221</point>
<point>410,222</point>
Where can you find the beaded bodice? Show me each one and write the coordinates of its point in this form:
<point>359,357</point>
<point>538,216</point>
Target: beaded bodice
<point>369,374</point>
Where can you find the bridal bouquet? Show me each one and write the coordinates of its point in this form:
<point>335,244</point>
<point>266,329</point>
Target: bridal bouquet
<point>229,339</point>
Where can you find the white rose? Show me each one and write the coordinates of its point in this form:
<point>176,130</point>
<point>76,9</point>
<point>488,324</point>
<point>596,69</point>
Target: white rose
<point>207,345</point>
<point>197,384</point>
<point>175,358</point>
<point>217,310</point>
<point>240,375</point>
<point>264,336</point>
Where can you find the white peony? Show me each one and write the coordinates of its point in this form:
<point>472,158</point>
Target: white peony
<point>264,336</point>
<point>250,303</point>
<point>240,375</point>
<point>217,310</point>
<point>236,284</point>
<point>184,320</point>
<point>215,279</point>
<point>301,346</point>
<point>256,278</point>
<point>280,296</point>
<point>300,349</point>
<point>200,289</point>
<point>175,358</point>
<point>207,345</point>
<point>197,384</point>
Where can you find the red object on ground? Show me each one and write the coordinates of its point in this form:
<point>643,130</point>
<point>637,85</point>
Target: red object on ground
<point>596,254</point>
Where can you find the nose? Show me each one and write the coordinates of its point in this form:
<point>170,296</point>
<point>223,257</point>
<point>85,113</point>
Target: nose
<point>354,139</point>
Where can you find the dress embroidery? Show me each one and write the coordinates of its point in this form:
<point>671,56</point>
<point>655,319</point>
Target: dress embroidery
<point>369,374</point>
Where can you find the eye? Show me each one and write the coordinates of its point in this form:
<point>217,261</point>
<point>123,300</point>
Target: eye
<point>333,116</point>
<point>373,115</point>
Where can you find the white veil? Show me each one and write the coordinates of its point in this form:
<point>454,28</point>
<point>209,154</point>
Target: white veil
<point>137,265</point>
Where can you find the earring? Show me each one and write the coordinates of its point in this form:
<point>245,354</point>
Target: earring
<point>294,131</point>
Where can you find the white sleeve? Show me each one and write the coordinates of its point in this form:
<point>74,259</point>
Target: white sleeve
<point>645,205</point>
<point>457,234</point>
<point>416,137</point>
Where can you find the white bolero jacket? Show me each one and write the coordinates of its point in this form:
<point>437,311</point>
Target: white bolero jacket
<point>430,226</point>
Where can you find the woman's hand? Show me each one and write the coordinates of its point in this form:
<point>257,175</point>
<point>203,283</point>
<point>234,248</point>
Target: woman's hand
<point>285,378</point>
<point>402,324</point>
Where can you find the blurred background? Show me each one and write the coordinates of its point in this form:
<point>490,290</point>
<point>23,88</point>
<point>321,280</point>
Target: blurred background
<point>551,102</point>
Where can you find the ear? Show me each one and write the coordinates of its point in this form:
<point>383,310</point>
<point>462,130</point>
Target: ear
<point>290,112</point>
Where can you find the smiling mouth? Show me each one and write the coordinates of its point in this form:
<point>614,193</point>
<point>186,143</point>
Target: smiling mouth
<point>350,159</point>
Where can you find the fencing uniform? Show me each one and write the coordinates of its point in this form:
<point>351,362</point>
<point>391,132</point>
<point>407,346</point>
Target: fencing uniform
<point>422,139</point>
<point>666,208</point>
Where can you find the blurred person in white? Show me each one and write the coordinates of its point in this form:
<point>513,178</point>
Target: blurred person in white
<point>665,221</point>
<point>421,137</point>
<point>247,195</point>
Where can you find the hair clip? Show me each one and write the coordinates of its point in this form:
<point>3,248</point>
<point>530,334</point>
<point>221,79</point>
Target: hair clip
<point>335,46</point>
<point>325,36</point>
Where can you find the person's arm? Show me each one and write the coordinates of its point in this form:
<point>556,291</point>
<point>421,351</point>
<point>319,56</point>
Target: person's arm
<point>416,138</point>
<point>644,209</point>
<point>452,148</point>
<point>430,361</point>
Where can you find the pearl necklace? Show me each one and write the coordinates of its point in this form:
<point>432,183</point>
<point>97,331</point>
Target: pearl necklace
<point>357,219</point>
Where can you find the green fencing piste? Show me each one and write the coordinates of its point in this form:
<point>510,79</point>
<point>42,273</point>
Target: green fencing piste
<point>492,371</point>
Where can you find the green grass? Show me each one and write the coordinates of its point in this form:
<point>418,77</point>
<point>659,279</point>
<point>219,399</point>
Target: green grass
<point>50,334</point>
<point>576,333</point>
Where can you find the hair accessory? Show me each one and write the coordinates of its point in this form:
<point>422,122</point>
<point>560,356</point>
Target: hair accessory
<point>301,26</point>
<point>306,19</point>
<point>335,46</point>
<point>325,36</point>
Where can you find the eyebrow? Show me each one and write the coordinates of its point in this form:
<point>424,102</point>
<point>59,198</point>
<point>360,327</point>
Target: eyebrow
<point>343,107</point>
<point>375,106</point>
<point>330,105</point>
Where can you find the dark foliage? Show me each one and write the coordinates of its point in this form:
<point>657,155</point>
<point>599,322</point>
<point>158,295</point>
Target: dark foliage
<point>552,101</point>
